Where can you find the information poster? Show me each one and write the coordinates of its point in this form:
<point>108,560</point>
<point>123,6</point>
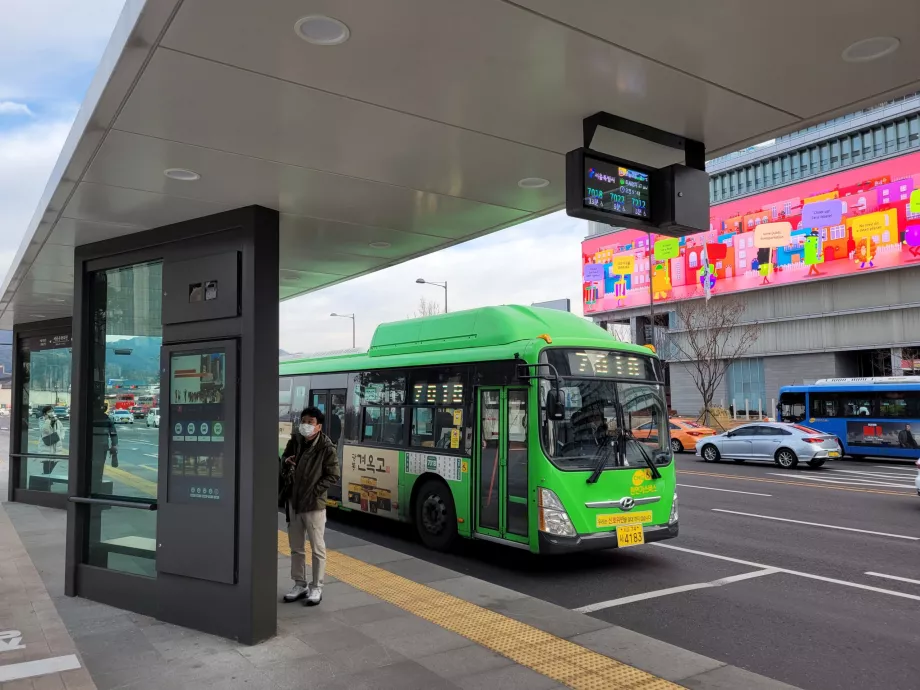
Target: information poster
<point>448,466</point>
<point>198,434</point>
<point>882,434</point>
<point>370,480</point>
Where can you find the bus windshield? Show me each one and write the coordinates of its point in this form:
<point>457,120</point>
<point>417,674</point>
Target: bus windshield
<point>600,414</point>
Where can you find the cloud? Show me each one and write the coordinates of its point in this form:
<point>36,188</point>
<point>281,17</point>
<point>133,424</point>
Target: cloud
<point>27,156</point>
<point>50,48</point>
<point>13,108</point>
<point>533,262</point>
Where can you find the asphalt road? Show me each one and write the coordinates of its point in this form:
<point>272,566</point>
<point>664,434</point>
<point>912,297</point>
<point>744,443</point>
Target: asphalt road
<point>804,610</point>
<point>783,598</point>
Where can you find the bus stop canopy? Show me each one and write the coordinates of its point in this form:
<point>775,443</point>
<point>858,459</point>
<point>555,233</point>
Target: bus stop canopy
<point>413,125</point>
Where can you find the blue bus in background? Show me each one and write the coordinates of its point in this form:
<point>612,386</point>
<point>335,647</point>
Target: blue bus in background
<point>877,416</point>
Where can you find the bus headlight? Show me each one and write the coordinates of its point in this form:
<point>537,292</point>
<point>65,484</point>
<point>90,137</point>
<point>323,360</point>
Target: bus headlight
<point>553,518</point>
<point>673,518</point>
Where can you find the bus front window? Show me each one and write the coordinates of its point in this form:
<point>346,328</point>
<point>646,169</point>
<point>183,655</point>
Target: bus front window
<point>592,426</point>
<point>792,407</point>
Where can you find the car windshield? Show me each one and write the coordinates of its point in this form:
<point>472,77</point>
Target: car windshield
<point>592,426</point>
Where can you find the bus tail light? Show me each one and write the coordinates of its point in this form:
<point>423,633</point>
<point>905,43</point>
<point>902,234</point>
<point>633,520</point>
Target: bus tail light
<point>812,439</point>
<point>552,515</point>
<point>673,517</point>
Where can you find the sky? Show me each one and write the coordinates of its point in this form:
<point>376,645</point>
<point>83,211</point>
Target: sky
<point>45,69</point>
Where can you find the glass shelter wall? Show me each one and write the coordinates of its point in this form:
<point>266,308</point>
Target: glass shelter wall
<point>125,366</point>
<point>44,364</point>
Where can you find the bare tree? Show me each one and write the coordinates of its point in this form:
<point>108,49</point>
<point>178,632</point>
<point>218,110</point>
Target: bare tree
<point>881,365</point>
<point>426,308</point>
<point>710,335</point>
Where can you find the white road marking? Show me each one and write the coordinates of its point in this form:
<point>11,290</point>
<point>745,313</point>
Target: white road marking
<point>786,571</point>
<point>883,476</point>
<point>151,455</point>
<point>904,468</point>
<point>729,491</point>
<point>846,481</point>
<point>674,590</point>
<point>148,467</point>
<point>41,667</point>
<point>895,577</point>
<point>815,524</point>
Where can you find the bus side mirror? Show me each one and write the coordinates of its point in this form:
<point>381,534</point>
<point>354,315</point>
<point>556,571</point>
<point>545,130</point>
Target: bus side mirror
<point>555,405</point>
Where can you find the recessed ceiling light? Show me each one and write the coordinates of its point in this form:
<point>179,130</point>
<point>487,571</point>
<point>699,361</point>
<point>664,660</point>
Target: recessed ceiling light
<point>321,30</point>
<point>379,245</point>
<point>533,183</point>
<point>870,49</point>
<point>182,174</point>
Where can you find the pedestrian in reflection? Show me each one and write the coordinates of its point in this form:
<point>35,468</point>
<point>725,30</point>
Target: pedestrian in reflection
<point>308,467</point>
<point>105,443</point>
<point>52,434</point>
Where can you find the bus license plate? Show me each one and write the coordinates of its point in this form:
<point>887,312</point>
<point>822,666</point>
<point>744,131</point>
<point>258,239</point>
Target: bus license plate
<point>833,454</point>
<point>630,535</point>
<point>616,519</point>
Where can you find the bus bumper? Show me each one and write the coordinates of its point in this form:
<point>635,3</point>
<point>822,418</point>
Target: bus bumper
<point>552,544</point>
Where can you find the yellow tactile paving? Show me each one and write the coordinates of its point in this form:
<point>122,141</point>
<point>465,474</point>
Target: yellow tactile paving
<point>556,658</point>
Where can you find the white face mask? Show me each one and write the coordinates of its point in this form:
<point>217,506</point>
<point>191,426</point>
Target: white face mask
<point>307,430</point>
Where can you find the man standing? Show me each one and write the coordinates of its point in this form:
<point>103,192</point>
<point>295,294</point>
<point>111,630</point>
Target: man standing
<point>906,438</point>
<point>309,467</point>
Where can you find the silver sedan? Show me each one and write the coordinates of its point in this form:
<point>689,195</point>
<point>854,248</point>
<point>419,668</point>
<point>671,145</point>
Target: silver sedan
<point>784,444</point>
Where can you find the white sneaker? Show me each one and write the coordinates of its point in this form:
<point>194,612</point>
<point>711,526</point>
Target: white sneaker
<point>297,592</point>
<point>314,596</point>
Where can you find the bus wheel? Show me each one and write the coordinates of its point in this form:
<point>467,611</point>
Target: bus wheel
<point>786,459</point>
<point>435,516</point>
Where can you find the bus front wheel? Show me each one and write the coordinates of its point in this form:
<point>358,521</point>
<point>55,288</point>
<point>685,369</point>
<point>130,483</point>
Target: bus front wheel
<point>435,515</point>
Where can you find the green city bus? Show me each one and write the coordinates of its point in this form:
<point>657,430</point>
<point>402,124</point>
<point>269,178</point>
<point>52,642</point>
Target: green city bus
<point>511,424</point>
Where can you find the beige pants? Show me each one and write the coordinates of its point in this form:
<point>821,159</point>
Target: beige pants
<point>305,526</point>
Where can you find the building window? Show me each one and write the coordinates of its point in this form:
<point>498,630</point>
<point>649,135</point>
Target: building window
<point>745,382</point>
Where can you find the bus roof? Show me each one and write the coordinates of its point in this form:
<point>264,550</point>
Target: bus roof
<point>855,387</point>
<point>475,335</point>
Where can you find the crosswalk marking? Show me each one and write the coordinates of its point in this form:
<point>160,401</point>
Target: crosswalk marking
<point>845,481</point>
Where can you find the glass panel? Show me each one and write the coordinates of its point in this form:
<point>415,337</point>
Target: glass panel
<point>318,400</point>
<point>123,539</point>
<point>423,427</point>
<point>489,426</point>
<point>45,375</point>
<point>125,365</point>
<point>516,506</point>
<point>336,417</point>
<point>284,399</point>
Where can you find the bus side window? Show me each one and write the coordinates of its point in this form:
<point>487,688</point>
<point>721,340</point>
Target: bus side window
<point>792,407</point>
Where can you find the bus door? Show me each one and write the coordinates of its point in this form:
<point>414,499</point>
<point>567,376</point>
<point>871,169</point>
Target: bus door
<point>332,404</point>
<point>501,462</point>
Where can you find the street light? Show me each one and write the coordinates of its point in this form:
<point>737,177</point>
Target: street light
<point>422,281</point>
<point>352,317</point>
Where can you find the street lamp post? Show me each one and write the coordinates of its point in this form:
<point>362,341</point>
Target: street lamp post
<point>352,317</point>
<point>422,281</point>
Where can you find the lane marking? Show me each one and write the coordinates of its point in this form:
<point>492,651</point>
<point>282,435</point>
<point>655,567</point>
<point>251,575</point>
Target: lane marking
<point>869,473</point>
<point>905,468</point>
<point>565,662</point>
<point>816,524</point>
<point>730,491</point>
<point>780,481</point>
<point>152,455</point>
<point>851,481</point>
<point>144,486</point>
<point>40,667</point>
<point>798,573</point>
<point>148,467</point>
<point>590,608</point>
<point>895,577</point>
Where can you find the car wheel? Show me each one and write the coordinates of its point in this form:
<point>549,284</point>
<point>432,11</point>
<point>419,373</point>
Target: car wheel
<point>816,463</point>
<point>676,446</point>
<point>435,515</point>
<point>786,459</point>
<point>710,454</point>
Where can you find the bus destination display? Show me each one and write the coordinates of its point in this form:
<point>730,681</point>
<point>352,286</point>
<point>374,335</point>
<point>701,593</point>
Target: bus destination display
<point>616,189</point>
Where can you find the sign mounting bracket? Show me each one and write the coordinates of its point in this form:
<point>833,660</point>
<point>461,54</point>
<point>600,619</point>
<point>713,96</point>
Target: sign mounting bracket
<point>694,151</point>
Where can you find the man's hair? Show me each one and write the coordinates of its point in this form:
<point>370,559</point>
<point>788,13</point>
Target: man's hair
<point>47,408</point>
<point>314,412</point>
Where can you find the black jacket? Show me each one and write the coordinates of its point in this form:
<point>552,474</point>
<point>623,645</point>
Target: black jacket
<point>316,469</point>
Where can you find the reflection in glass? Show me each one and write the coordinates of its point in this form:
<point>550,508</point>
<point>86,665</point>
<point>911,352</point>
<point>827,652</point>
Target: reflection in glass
<point>45,421</point>
<point>125,368</point>
<point>516,507</point>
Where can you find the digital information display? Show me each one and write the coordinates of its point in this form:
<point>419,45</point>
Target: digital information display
<point>199,427</point>
<point>612,188</point>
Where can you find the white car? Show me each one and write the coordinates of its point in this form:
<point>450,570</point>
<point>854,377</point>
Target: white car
<point>123,417</point>
<point>153,417</point>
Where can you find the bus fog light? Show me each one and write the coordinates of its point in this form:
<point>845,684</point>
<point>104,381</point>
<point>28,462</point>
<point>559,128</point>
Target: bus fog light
<point>553,518</point>
<point>673,518</point>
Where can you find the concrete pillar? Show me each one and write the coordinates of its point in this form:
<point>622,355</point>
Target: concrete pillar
<point>896,359</point>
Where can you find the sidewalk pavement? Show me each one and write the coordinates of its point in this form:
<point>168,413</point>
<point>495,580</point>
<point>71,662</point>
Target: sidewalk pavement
<point>357,638</point>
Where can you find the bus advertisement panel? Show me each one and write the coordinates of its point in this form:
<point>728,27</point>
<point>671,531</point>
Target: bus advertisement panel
<point>865,219</point>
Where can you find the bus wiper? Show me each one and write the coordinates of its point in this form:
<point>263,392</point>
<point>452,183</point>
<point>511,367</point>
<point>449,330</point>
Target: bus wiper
<point>645,454</point>
<point>604,454</point>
